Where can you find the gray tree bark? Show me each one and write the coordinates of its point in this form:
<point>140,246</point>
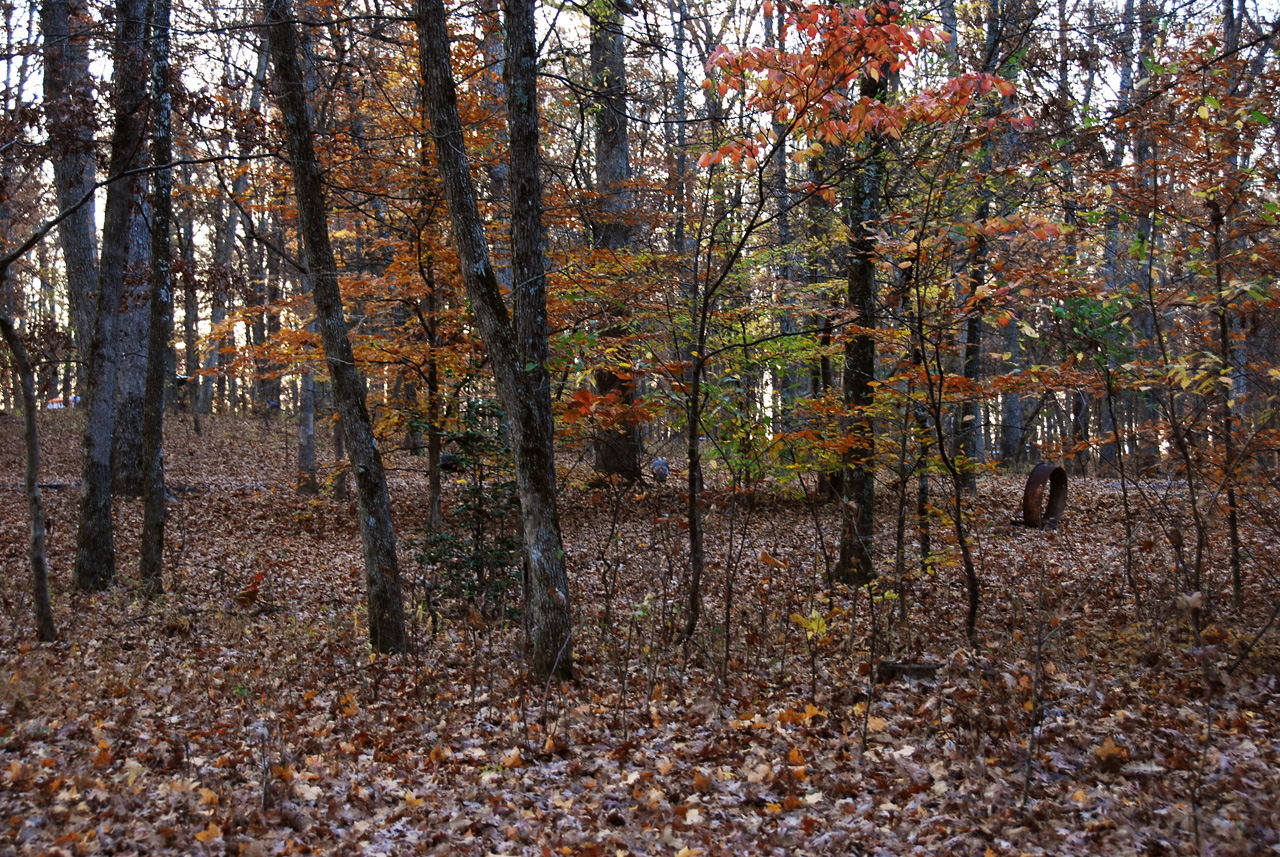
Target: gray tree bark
<point>95,545</point>
<point>307,482</point>
<point>69,112</point>
<point>528,240</point>
<point>128,464</point>
<point>382,572</point>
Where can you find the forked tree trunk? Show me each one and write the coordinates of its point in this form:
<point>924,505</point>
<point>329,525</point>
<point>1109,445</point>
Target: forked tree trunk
<point>95,545</point>
<point>547,586</point>
<point>382,572</point>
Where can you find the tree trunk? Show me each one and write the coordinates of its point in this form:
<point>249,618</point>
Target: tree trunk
<point>95,546</point>
<point>341,492</point>
<point>528,240</point>
<point>1011,402</point>
<point>307,482</point>
<point>151,562</point>
<point>612,227</point>
<point>617,448</point>
<point>189,393</point>
<point>382,573</point>
<point>128,465</point>
<point>68,99</point>
<point>45,630</point>
<point>549,619</point>
<point>1080,431</point>
<point>858,509</point>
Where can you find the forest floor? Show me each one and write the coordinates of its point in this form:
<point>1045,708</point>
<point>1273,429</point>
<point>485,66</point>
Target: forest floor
<point>244,714</point>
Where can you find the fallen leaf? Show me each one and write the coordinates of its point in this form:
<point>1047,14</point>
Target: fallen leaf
<point>209,834</point>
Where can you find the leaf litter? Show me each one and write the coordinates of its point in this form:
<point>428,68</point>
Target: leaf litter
<point>244,713</point>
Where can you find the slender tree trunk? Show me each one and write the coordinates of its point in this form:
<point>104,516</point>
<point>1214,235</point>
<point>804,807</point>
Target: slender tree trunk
<point>1080,431</point>
<point>1226,422</point>
<point>151,564</point>
<point>1011,402</point>
<point>307,482</point>
<point>273,274</point>
<point>95,546</point>
<point>679,180</point>
<point>382,573</point>
<point>341,492</point>
<point>190,392</point>
<point>693,455</point>
<point>427,318</point>
<point>45,630</point>
<point>550,618</point>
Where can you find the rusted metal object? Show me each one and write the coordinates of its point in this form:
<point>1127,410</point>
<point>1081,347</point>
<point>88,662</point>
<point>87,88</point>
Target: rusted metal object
<point>1035,512</point>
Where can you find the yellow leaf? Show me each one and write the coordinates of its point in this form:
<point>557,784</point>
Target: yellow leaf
<point>411,800</point>
<point>1203,111</point>
<point>209,796</point>
<point>209,834</point>
<point>1078,797</point>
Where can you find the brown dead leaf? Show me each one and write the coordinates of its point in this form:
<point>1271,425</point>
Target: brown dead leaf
<point>1111,756</point>
<point>702,781</point>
